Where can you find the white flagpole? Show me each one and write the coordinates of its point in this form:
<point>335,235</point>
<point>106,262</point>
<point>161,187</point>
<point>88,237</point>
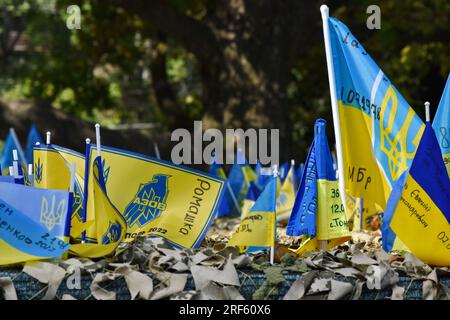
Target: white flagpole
<point>72,177</point>
<point>272,249</point>
<point>97,139</point>
<point>427,111</point>
<point>11,171</point>
<point>19,147</point>
<point>48,137</point>
<point>30,169</point>
<point>334,102</point>
<point>15,164</point>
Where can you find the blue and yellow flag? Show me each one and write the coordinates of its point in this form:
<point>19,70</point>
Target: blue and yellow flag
<point>32,138</point>
<point>284,169</point>
<point>380,131</point>
<point>418,210</point>
<point>303,215</point>
<point>252,194</point>
<point>34,223</point>
<point>52,171</point>
<point>11,143</point>
<point>441,124</point>
<point>286,197</point>
<point>257,229</point>
<point>109,226</point>
<point>318,210</point>
<point>155,197</point>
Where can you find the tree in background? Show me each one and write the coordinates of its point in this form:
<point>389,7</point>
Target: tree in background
<point>232,63</point>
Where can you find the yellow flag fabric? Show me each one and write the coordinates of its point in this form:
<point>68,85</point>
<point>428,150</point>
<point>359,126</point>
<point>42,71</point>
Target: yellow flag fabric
<point>52,171</point>
<point>331,220</point>
<point>257,228</point>
<point>286,197</point>
<point>109,225</point>
<point>156,197</point>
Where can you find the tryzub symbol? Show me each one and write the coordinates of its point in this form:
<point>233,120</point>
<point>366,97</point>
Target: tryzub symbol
<point>149,201</point>
<point>105,171</point>
<point>51,216</point>
<point>38,168</point>
<point>113,233</point>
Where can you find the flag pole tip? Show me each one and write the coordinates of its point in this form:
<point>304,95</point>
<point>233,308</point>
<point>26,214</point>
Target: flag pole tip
<point>324,9</point>
<point>292,162</point>
<point>427,111</point>
<point>88,141</point>
<point>97,125</point>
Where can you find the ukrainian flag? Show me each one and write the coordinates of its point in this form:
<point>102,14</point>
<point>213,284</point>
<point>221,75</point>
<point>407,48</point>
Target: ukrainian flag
<point>11,143</point>
<point>286,197</point>
<point>52,171</point>
<point>380,131</point>
<point>155,197</point>
<point>109,226</point>
<point>441,124</point>
<point>32,138</point>
<point>257,229</point>
<point>252,194</point>
<point>418,210</point>
<point>34,223</point>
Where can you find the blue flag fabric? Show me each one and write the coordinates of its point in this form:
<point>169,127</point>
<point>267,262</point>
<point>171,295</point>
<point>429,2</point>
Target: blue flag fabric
<point>303,216</point>
<point>300,170</point>
<point>33,137</point>
<point>441,124</point>
<point>9,145</point>
<point>419,206</point>
<point>324,160</point>
<point>284,169</point>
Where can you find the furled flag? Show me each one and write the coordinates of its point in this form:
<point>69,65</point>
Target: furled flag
<point>11,143</point>
<point>284,169</point>
<point>110,226</point>
<point>257,228</point>
<point>441,124</point>
<point>34,223</point>
<point>252,194</point>
<point>318,210</point>
<point>33,137</point>
<point>418,210</point>
<point>239,179</point>
<point>286,197</point>
<point>227,203</point>
<point>375,127</point>
<point>52,171</point>
<point>155,197</point>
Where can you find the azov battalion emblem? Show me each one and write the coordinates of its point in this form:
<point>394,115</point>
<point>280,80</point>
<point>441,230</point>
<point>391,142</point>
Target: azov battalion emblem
<point>113,233</point>
<point>149,201</point>
<point>52,213</point>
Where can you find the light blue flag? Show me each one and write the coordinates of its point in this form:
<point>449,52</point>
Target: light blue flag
<point>11,143</point>
<point>33,223</point>
<point>33,137</point>
<point>303,216</point>
<point>441,124</point>
<point>284,169</point>
<point>380,131</point>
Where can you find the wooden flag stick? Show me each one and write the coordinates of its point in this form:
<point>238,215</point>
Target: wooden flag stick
<point>272,249</point>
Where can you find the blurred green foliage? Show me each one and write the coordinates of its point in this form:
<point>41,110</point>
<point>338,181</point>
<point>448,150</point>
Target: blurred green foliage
<point>104,70</point>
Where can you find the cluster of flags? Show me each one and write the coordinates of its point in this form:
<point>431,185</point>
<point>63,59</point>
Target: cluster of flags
<point>390,170</point>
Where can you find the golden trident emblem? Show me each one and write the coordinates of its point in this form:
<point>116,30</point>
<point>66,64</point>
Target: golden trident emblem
<point>396,148</point>
<point>49,216</point>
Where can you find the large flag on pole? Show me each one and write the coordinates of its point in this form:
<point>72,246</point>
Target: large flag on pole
<point>155,197</point>
<point>441,124</point>
<point>418,211</point>
<point>52,171</point>
<point>34,223</point>
<point>377,132</point>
